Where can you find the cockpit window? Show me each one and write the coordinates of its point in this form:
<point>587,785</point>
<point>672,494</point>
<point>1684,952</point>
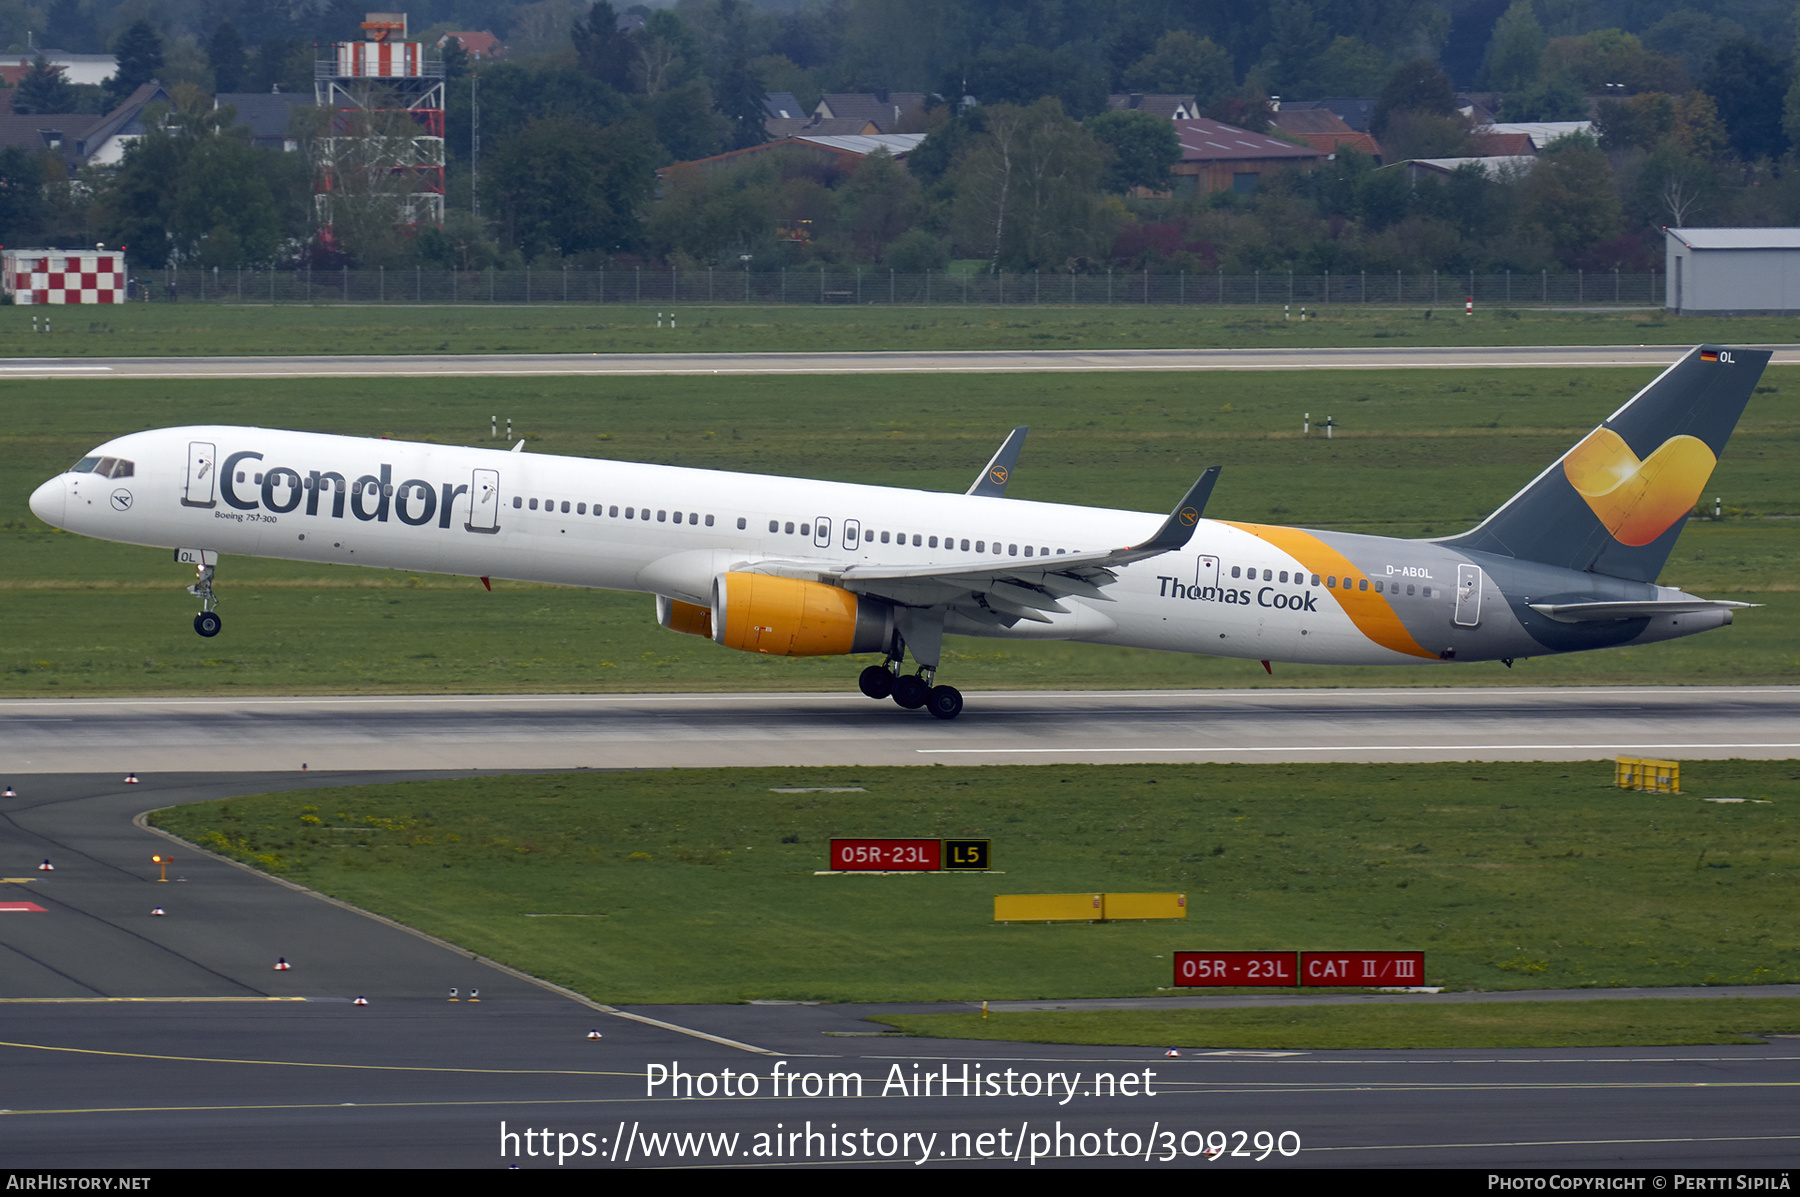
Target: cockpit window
<point>106,467</point>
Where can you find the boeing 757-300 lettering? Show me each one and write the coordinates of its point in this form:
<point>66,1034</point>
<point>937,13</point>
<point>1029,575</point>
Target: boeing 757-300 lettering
<point>795,567</point>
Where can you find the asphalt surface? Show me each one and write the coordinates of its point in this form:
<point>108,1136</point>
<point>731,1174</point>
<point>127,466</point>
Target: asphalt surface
<point>1028,727</point>
<point>827,362</point>
<point>135,1041</point>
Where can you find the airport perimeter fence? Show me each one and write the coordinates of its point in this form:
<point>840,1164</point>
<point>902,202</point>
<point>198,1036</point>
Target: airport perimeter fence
<point>634,285</point>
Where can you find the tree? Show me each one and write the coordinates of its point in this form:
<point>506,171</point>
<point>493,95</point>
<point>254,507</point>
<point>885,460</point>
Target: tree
<point>225,55</point>
<point>1418,86</point>
<point>1027,191</point>
<point>69,26</point>
<point>1141,149</point>
<point>43,89</point>
<point>1748,83</point>
<point>1183,64</point>
<point>1569,196</point>
<point>878,203</point>
<point>563,186</point>
<point>22,206</point>
<point>604,51</point>
<point>1515,50</point>
<point>140,54</point>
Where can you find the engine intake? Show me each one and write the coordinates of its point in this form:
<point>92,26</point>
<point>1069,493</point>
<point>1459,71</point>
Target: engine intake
<point>789,617</point>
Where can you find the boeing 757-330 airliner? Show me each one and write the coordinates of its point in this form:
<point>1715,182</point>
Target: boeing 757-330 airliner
<point>796,567</point>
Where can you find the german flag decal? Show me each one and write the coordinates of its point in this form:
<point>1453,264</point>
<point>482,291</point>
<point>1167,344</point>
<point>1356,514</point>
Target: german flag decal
<point>1707,355</point>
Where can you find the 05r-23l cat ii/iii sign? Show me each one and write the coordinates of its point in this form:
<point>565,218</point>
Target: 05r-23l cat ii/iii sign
<point>796,567</point>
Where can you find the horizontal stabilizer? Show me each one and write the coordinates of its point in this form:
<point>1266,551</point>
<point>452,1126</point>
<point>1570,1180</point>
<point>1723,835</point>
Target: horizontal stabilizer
<point>1588,612</point>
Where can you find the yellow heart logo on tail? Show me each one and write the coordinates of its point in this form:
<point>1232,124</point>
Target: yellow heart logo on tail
<point>1636,500</point>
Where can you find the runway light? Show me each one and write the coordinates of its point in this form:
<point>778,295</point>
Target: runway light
<point>593,1035</point>
<point>46,867</point>
<point>131,779</point>
<point>157,911</point>
<point>162,861</point>
<point>360,1001</point>
<point>1172,1054</point>
<point>10,793</point>
<point>281,964</point>
<point>453,993</point>
<point>474,995</point>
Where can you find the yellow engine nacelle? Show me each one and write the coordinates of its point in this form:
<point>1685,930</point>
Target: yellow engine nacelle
<point>678,616</point>
<point>788,617</point>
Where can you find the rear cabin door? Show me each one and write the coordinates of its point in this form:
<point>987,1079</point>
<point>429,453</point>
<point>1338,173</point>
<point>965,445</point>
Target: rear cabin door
<point>484,501</point>
<point>1468,595</point>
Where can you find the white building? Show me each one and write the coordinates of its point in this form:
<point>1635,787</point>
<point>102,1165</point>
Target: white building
<point>1733,270</point>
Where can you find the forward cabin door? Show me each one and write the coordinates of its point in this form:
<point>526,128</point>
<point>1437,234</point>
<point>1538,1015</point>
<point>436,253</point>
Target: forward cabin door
<point>202,476</point>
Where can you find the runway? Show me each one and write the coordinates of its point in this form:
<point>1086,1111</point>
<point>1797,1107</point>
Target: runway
<point>639,731</point>
<point>134,1041</point>
<point>830,362</point>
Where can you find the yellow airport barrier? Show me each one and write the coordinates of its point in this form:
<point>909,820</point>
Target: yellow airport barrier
<point>1048,908</point>
<point>1656,777</point>
<point>1064,908</point>
<point>1145,906</point>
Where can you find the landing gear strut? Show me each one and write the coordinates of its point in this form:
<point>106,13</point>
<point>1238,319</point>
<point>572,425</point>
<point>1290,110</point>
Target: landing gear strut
<point>910,690</point>
<point>207,623</point>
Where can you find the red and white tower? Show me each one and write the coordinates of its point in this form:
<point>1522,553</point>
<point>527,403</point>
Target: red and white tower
<point>384,148</point>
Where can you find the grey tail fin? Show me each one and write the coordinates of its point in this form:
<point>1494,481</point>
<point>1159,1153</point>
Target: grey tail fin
<point>1615,503</point>
<point>992,480</point>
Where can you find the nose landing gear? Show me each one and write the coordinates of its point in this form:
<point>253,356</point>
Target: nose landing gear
<point>207,623</point>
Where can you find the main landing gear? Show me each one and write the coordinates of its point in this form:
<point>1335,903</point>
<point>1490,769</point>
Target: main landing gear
<point>910,690</point>
<point>207,623</point>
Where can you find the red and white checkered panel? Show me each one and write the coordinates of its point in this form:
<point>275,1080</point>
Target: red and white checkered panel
<point>70,278</point>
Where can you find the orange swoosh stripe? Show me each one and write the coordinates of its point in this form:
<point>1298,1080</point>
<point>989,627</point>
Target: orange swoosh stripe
<point>1372,614</point>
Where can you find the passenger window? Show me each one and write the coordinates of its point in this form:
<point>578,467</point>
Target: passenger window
<point>1331,583</point>
<point>631,513</point>
<point>1378,589</point>
<point>709,521</point>
<point>1409,588</point>
<point>1234,571</point>
<point>916,540</point>
<point>534,504</point>
<point>518,502</point>
<point>806,529</point>
<point>565,507</point>
<point>740,523</point>
<point>1363,584</point>
<point>1428,592</point>
<point>613,511</point>
<point>1315,580</point>
<point>1028,550</point>
<point>1284,575</point>
<point>965,546</point>
<point>774,525</point>
<point>1012,550</point>
<point>981,546</point>
<point>884,538</point>
<point>662,517</point>
<point>933,543</point>
<point>581,509</point>
<point>868,535</point>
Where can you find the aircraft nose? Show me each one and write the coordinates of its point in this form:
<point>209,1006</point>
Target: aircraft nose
<point>48,501</point>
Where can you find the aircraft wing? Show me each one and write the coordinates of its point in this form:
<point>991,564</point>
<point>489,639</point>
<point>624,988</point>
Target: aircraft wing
<point>1027,588</point>
<point>1588,612</point>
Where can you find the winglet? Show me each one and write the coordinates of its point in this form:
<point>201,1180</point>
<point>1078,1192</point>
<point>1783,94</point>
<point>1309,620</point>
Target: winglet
<point>1178,529</point>
<point>991,482</point>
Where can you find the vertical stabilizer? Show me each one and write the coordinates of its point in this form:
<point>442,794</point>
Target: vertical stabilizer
<point>1615,503</point>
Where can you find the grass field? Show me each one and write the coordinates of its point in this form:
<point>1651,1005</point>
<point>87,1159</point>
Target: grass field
<point>1415,453</point>
<point>700,885</point>
<point>1484,1025</point>
<point>159,330</point>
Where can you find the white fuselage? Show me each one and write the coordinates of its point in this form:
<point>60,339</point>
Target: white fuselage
<point>670,531</point>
